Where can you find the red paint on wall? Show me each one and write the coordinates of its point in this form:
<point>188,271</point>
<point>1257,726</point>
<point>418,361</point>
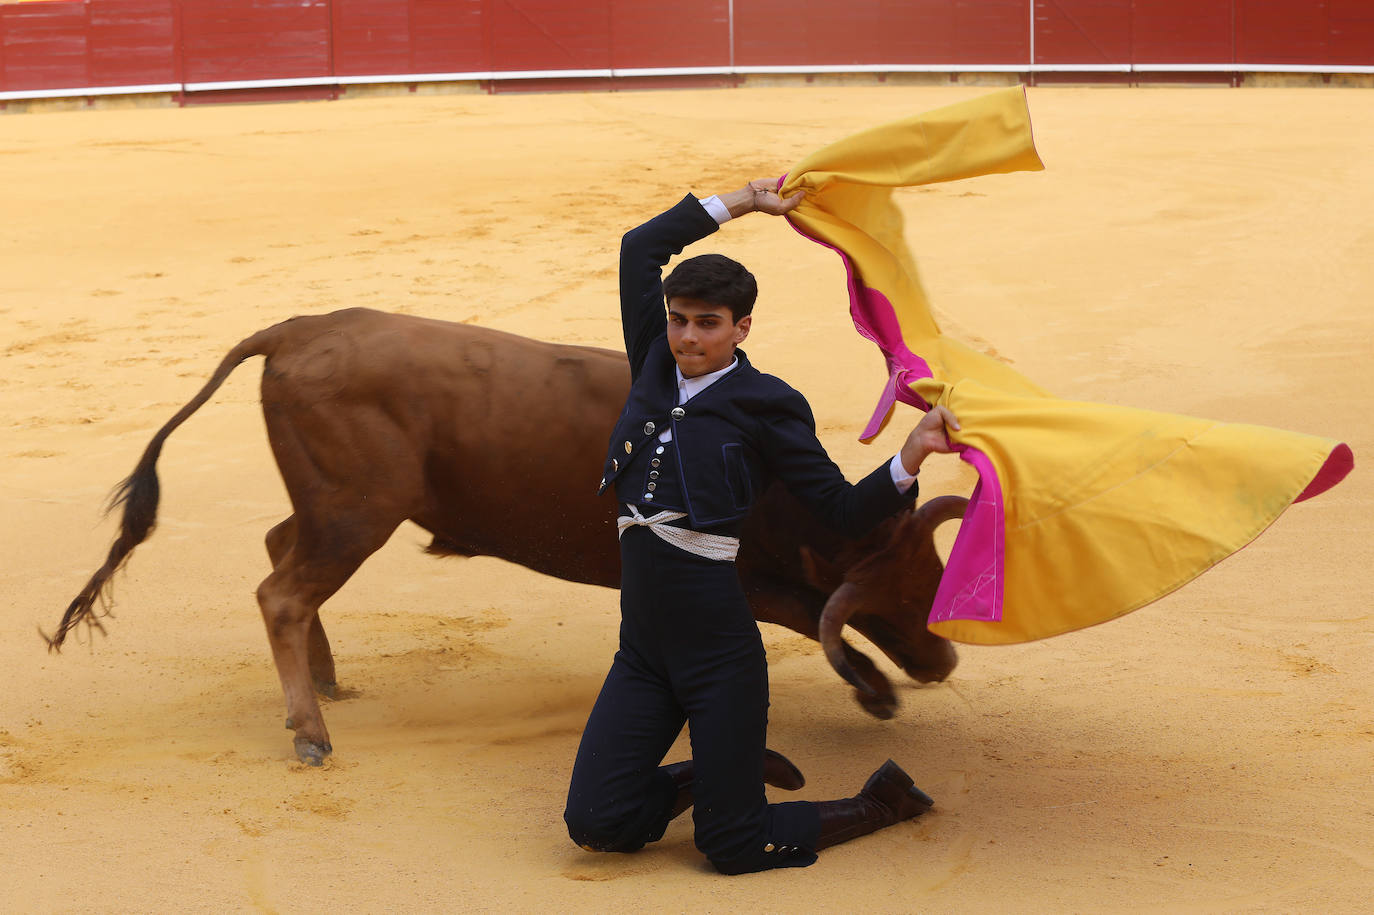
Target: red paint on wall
<point>371,36</point>
<point>132,42</point>
<point>982,31</point>
<point>53,44</point>
<point>1350,32</point>
<point>692,33</point>
<point>254,39</point>
<point>447,36</point>
<point>875,32</point>
<point>1281,31</point>
<point>549,34</point>
<point>1082,31</point>
<point>44,45</point>
<point>1183,31</point>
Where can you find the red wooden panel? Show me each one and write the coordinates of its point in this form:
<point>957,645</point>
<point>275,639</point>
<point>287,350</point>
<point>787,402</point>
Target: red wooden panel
<point>661,33</point>
<point>1350,36</point>
<point>1183,31</point>
<point>949,32</point>
<point>371,36</point>
<point>989,31</point>
<point>44,45</point>
<point>769,33</point>
<point>782,33</point>
<point>255,39</point>
<point>446,36</point>
<point>549,34</point>
<point>875,32</point>
<point>132,42</point>
<point>1082,31</point>
<point>1281,31</point>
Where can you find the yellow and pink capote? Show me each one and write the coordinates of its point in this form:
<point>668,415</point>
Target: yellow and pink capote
<point>1082,511</point>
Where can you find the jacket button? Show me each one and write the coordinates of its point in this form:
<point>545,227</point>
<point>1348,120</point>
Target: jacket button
<point>652,486</point>
<point>603,481</point>
<point>629,448</point>
<point>658,450</point>
<point>648,428</point>
<point>678,413</point>
<point>655,462</point>
<point>653,475</point>
<point>615,465</point>
<point>768,847</point>
<point>648,497</point>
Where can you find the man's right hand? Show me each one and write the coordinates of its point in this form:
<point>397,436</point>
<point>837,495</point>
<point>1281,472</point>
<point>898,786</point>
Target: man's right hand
<point>760,196</point>
<point>929,437</point>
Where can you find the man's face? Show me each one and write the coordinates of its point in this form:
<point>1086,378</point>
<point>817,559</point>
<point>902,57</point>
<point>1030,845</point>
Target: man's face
<point>703,336</point>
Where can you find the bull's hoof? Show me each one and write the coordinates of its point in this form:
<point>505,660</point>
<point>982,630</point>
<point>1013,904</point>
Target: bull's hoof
<point>328,690</point>
<point>936,666</point>
<point>312,753</point>
<point>882,707</point>
<point>290,723</point>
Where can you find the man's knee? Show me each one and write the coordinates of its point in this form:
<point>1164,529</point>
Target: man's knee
<point>593,833</point>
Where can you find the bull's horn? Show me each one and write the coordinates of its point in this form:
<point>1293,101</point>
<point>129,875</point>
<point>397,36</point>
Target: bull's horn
<point>939,510</point>
<point>838,609</point>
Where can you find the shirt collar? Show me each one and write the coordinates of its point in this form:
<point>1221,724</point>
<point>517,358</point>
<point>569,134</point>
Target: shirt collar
<point>691,387</point>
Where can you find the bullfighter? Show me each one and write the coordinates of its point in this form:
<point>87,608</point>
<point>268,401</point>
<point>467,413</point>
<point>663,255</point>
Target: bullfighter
<point>700,437</point>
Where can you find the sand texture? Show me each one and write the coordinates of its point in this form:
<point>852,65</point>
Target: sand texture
<point>1208,252</point>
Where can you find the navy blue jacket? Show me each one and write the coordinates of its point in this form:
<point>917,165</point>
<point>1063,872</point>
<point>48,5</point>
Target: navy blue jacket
<point>732,439</point>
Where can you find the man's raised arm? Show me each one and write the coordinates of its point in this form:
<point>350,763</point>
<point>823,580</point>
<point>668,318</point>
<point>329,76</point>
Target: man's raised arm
<point>646,249</point>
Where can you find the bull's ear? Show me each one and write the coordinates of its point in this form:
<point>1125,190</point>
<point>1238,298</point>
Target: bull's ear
<point>820,573</point>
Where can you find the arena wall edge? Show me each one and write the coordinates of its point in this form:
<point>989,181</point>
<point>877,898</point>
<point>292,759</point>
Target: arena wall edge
<point>197,50</point>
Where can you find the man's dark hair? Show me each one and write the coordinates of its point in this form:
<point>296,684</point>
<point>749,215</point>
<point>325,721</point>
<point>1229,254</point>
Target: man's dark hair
<point>716,279</point>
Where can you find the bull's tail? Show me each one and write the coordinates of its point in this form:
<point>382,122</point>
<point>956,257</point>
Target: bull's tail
<point>139,495</point>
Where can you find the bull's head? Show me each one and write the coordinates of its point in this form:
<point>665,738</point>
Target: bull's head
<point>883,587</point>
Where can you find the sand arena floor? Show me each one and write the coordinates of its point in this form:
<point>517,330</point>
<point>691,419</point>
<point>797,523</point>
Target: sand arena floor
<point>1197,251</point>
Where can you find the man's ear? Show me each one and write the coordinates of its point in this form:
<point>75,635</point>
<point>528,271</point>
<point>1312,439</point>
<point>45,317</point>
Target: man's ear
<point>742,328</point>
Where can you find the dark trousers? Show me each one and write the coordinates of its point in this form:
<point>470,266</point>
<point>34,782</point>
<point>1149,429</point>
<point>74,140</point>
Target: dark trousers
<point>690,653</point>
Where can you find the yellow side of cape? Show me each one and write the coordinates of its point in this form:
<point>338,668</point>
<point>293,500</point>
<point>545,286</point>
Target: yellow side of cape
<point>1084,511</point>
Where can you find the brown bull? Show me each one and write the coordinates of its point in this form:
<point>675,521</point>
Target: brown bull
<point>493,444</point>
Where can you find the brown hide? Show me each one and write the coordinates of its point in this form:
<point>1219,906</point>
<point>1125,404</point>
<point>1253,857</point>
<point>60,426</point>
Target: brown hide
<point>493,443</point>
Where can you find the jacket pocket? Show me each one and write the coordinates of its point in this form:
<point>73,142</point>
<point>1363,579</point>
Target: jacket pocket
<point>737,475</point>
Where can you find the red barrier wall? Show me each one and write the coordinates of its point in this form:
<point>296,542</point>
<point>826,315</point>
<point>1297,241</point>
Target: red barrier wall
<point>1082,31</point>
<point>131,43</point>
<point>772,33</point>
<point>253,39</point>
<point>60,44</point>
<point>1183,31</point>
<point>44,45</point>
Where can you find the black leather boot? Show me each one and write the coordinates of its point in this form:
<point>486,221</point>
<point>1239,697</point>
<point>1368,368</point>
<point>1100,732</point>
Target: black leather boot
<point>778,771</point>
<point>887,797</point>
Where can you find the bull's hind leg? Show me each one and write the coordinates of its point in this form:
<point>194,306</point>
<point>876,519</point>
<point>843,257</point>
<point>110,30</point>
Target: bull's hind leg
<point>280,539</point>
<point>321,660</point>
<point>314,567</point>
